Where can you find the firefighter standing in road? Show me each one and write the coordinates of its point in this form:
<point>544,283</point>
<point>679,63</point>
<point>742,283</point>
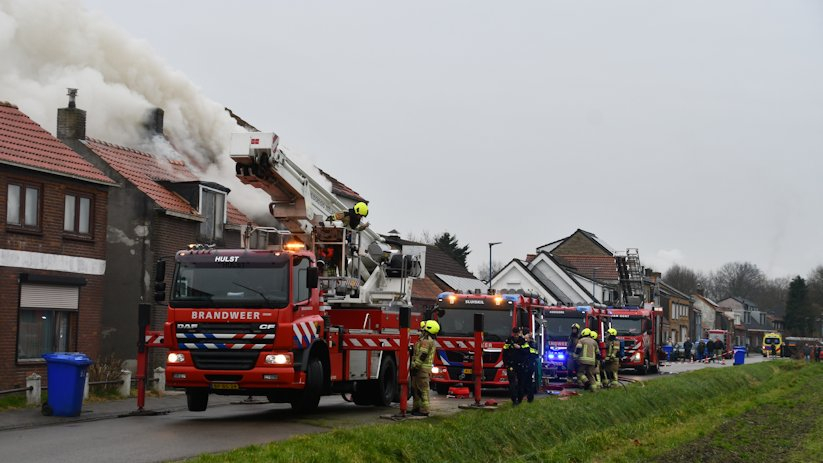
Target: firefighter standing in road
<point>515,355</point>
<point>421,368</point>
<point>586,354</point>
<point>352,218</point>
<point>612,358</point>
<point>571,369</point>
<point>528,385</point>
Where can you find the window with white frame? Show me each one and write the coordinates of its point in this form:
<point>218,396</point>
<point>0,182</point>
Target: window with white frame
<point>77,214</point>
<point>213,210</point>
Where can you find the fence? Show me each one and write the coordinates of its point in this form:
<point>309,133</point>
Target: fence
<point>34,387</point>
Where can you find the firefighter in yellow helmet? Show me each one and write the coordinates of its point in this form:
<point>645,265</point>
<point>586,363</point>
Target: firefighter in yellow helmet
<point>597,366</point>
<point>352,218</point>
<point>612,358</point>
<point>586,355</point>
<point>421,367</point>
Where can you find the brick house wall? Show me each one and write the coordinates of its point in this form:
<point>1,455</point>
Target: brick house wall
<point>85,324</point>
<point>579,245</point>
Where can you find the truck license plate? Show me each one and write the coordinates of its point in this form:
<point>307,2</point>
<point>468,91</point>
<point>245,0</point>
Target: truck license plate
<point>467,371</point>
<point>225,386</point>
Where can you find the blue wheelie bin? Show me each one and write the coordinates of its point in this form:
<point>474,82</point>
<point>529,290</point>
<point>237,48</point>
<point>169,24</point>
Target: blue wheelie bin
<point>66,380</point>
<point>668,349</point>
<point>739,355</point>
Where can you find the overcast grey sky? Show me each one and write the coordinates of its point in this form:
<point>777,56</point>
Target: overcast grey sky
<point>691,130</point>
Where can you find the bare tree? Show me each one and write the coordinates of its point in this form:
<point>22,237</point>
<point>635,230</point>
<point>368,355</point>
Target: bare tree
<point>815,296</point>
<point>740,279</point>
<point>772,295</point>
<point>483,270</point>
<point>685,279</point>
<point>425,237</point>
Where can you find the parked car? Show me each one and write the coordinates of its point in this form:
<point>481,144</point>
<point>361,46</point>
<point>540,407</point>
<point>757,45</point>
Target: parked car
<point>678,352</point>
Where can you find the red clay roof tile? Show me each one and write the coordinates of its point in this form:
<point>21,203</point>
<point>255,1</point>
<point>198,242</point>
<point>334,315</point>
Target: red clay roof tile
<point>25,143</point>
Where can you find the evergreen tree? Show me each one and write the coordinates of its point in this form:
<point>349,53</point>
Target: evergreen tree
<point>799,316</point>
<point>448,244</point>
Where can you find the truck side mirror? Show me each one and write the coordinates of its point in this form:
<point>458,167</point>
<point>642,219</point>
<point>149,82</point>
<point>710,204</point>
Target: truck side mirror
<point>312,277</point>
<point>159,281</point>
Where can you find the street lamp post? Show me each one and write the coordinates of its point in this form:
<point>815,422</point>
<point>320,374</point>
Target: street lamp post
<point>490,263</point>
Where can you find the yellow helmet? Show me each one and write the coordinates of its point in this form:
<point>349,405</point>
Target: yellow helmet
<point>430,326</point>
<point>593,334</point>
<point>576,325</point>
<point>361,209</point>
<point>585,332</point>
<point>612,331</point>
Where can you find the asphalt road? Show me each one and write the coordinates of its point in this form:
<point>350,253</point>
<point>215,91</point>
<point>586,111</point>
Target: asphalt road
<point>182,434</point>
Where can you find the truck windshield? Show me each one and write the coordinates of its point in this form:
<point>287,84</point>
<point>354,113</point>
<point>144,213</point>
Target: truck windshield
<point>560,326</point>
<point>771,341</point>
<point>497,324</point>
<point>627,326</point>
<point>238,285</point>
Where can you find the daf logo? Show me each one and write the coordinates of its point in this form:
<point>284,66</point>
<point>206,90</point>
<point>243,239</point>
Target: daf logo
<point>226,258</point>
<point>186,326</point>
<point>267,327</point>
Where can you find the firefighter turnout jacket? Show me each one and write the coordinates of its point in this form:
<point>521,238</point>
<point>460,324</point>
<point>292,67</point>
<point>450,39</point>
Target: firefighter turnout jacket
<point>423,354</point>
<point>587,352</point>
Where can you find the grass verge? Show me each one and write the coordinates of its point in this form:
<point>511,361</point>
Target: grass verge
<point>645,422</point>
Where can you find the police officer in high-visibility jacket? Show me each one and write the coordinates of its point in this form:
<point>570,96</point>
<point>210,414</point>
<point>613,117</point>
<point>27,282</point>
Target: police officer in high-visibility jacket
<point>586,354</point>
<point>612,358</point>
<point>421,367</point>
<point>528,380</point>
<point>515,356</point>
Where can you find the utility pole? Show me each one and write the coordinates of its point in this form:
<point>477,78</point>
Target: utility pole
<point>490,263</point>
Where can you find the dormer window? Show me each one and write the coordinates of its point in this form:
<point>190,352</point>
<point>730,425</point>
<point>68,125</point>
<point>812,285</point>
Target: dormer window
<point>213,209</point>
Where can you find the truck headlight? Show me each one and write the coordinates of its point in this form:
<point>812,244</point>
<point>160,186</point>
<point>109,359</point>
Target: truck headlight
<point>176,358</point>
<point>636,357</point>
<point>435,370</point>
<point>277,359</point>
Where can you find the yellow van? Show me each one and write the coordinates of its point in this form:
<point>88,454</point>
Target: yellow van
<point>772,345</point>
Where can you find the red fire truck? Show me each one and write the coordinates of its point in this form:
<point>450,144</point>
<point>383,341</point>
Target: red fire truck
<point>455,344</point>
<point>557,323</point>
<point>641,331</point>
<point>279,323</point>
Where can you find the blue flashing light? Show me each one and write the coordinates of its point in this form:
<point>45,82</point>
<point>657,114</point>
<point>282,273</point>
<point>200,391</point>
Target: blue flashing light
<point>561,357</point>
<point>444,295</point>
<point>511,297</point>
<point>584,308</point>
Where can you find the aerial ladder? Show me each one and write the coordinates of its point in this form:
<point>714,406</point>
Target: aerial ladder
<point>362,267</point>
<point>630,272</point>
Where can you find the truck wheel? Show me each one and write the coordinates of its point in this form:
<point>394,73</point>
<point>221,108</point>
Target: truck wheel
<point>386,383</point>
<point>364,393</point>
<point>307,399</point>
<point>644,370</point>
<point>442,388</point>
<point>197,399</point>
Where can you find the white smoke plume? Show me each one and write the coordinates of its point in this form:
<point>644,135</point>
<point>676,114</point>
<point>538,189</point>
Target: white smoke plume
<point>47,46</point>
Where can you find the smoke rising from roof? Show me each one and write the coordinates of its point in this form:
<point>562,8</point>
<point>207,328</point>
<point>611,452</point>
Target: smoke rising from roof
<point>48,46</point>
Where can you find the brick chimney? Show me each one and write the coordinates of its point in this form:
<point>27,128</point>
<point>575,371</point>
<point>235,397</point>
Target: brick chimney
<point>530,257</point>
<point>71,122</point>
<point>154,122</point>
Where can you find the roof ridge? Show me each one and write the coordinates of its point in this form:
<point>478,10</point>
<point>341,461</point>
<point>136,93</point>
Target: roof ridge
<point>9,104</point>
<point>120,147</point>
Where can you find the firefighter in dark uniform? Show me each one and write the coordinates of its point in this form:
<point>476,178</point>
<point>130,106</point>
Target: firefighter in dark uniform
<point>421,367</point>
<point>571,367</point>
<point>515,355</point>
<point>352,218</point>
